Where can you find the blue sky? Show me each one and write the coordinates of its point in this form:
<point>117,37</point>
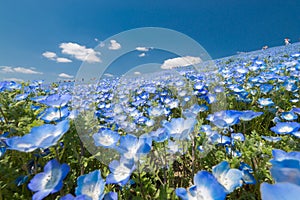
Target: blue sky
<point>65,30</point>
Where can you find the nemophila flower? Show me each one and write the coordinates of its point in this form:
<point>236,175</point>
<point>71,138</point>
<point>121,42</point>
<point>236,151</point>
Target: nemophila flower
<point>211,98</point>
<point>233,153</point>
<point>225,118</point>
<point>296,110</point>
<point>21,97</point>
<point>155,111</point>
<point>229,178</point>
<point>49,181</point>
<point>206,187</point>
<point>180,128</point>
<point>54,114</point>
<point>216,138</point>
<point>132,147</point>
<point>247,171</point>
<point>248,115</point>
<point>43,136</point>
<point>285,166</point>
<point>265,102</point>
<point>285,127</point>
<point>160,135</point>
<point>91,185</point>
<point>56,100</point>
<point>266,88</point>
<point>111,196</point>
<point>279,191</point>
<point>289,116</point>
<point>271,138</point>
<point>238,137</point>
<point>106,138</point>
<point>120,171</point>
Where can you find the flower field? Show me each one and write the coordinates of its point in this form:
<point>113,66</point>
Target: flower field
<point>227,133</point>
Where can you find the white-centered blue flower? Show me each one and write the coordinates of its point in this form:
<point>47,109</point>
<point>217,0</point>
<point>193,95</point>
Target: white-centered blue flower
<point>180,128</point>
<point>91,185</point>
<point>49,181</point>
<point>120,171</point>
<point>229,178</point>
<point>43,137</point>
<point>286,127</point>
<point>106,138</point>
<point>206,188</point>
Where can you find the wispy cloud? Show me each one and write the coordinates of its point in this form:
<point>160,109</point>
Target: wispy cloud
<point>180,62</point>
<point>21,70</point>
<point>52,56</point>
<point>80,52</point>
<point>64,75</point>
<point>114,45</point>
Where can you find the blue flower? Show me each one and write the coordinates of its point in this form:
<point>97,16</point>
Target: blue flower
<point>43,136</point>
<point>21,97</point>
<point>120,171</point>
<point>106,138</point>
<point>206,187</point>
<point>296,110</point>
<point>248,177</point>
<point>248,115</point>
<point>223,119</point>
<point>279,191</point>
<point>229,178</point>
<point>160,135</point>
<point>271,139</point>
<point>286,127</point>
<point>111,196</point>
<point>180,128</point>
<point>289,116</point>
<point>133,147</point>
<point>265,102</point>
<point>49,181</point>
<point>91,185</point>
<point>56,100</point>
<point>54,114</point>
<point>285,166</point>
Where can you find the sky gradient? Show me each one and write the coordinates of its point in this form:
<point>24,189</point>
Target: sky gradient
<point>31,31</point>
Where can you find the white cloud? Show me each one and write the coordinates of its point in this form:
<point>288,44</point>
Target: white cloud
<point>63,60</point>
<point>180,62</point>
<point>142,55</point>
<point>13,79</point>
<point>50,55</point>
<point>64,75</point>
<point>137,73</point>
<point>145,49</point>
<point>80,52</point>
<point>22,70</point>
<point>7,69</point>
<point>114,45</point>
